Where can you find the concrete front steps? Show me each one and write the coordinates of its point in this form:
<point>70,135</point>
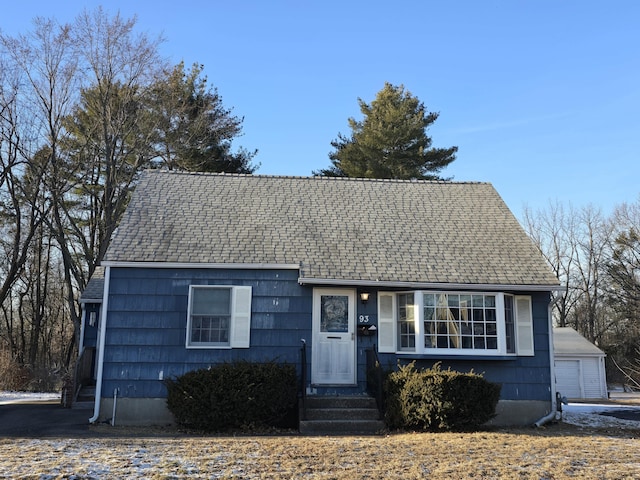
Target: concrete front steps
<point>340,415</point>
<point>86,397</point>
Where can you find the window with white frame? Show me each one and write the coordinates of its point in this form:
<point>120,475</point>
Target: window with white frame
<point>219,316</point>
<point>406,322</point>
<point>458,323</point>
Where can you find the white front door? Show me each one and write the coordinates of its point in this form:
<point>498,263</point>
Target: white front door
<point>333,357</point>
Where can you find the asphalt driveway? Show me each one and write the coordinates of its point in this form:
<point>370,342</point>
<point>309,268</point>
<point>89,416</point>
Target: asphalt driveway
<point>40,419</point>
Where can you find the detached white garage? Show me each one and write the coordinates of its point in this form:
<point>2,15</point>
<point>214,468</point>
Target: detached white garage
<point>579,365</point>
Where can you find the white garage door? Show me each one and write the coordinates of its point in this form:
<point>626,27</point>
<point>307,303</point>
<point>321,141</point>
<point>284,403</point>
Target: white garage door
<point>568,377</point>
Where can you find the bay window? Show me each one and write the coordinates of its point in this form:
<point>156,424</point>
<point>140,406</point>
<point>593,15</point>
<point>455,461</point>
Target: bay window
<point>459,323</point>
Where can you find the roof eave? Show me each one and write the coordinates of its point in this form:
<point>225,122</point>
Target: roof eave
<point>244,266</point>
<point>90,300</point>
<point>429,285</point>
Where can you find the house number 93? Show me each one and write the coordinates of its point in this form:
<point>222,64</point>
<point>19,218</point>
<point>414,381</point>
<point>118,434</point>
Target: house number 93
<point>363,319</point>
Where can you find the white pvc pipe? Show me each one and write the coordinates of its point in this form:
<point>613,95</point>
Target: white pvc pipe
<point>546,419</point>
<point>115,402</point>
<point>103,334</point>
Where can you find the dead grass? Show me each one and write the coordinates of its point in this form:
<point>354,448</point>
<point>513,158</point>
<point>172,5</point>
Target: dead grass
<point>554,452</point>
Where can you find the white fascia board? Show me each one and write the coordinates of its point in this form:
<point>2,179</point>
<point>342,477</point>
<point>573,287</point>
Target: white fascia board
<point>578,356</point>
<point>233,266</point>
<point>84,301</point>
<point>427,285</point>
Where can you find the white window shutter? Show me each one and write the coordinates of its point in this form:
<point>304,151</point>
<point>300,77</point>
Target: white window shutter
<point>386,323</point>
<point>524,326</point>
<point>241,317</point>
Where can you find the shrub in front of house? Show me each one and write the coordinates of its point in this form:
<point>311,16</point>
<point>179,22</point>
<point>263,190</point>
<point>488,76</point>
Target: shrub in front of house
<point>438,400</point>
<point>231,396</point>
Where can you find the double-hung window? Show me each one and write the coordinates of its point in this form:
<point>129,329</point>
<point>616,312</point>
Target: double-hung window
<point>455,323</point>
<point>219,317</point>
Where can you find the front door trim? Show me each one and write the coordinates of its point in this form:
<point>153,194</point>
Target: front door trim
<point>333,354</point>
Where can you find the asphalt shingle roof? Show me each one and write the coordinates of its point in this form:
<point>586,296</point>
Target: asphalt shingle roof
<point>566,341</point>
<point>94,290</point>
<point>334,228</point>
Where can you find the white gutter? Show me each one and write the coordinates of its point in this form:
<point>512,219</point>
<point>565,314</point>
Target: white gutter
<point>427,285</point>
<point>234,266</point>
<point>103,334</point>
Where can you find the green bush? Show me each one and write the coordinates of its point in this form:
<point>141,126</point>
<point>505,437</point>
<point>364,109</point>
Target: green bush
<point>435,399</point>
<point>230,396</point>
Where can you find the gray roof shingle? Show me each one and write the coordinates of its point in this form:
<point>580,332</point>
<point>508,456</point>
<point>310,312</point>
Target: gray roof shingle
<point>566,341</point>
<point>94,290</point>
<point>334,228</point>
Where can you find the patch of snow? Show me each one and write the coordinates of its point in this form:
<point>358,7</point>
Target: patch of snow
<point>591,415</point>
<point>7,397</point>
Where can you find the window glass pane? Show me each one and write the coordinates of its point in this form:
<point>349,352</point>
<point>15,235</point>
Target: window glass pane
<point>334,313</point>
<point>460,321</point>
<point>465,307</point>
<point>509,324</point>
<point>450,321</point>
<point>406,322</point>
<point>208,301</point>
<point>454,300</point>
<point>491,328</point>
<point>210,330</point>
<point>210,316</point>
<point>429,300</point>
<point>429,313</point>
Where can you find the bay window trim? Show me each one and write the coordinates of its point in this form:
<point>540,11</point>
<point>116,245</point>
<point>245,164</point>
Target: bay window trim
<point>391,344</point>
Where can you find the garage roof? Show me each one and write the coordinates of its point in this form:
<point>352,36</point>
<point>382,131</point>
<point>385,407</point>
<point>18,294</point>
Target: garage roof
<point>568,342</point>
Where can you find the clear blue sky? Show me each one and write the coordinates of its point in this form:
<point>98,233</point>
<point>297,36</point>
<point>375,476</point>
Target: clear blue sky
<point>542,97</point>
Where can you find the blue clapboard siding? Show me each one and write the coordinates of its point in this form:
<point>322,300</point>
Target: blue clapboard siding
<point>91,332</point>
<point>146,324</point>
<point>146,333</point>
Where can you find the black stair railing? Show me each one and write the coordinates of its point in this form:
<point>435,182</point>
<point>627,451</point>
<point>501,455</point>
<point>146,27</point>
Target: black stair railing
<point>303,380</point>
<point>375,378</point>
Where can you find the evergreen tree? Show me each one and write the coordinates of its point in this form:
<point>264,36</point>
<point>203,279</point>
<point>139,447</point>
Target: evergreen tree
<point>194,129</point>
<point>390,142</point>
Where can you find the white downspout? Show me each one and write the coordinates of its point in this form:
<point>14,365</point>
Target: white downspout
<point>103,334</point>
<point>554,414</point>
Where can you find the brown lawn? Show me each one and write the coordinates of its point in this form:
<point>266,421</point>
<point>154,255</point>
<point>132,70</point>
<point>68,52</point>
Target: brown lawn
<point>555,452</point>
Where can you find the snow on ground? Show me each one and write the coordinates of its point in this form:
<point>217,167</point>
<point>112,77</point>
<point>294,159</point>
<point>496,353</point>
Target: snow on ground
<point>22,397</point>
<point>591,415</point>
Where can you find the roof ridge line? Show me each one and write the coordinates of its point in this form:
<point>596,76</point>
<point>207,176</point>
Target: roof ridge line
<point>315,177</point>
